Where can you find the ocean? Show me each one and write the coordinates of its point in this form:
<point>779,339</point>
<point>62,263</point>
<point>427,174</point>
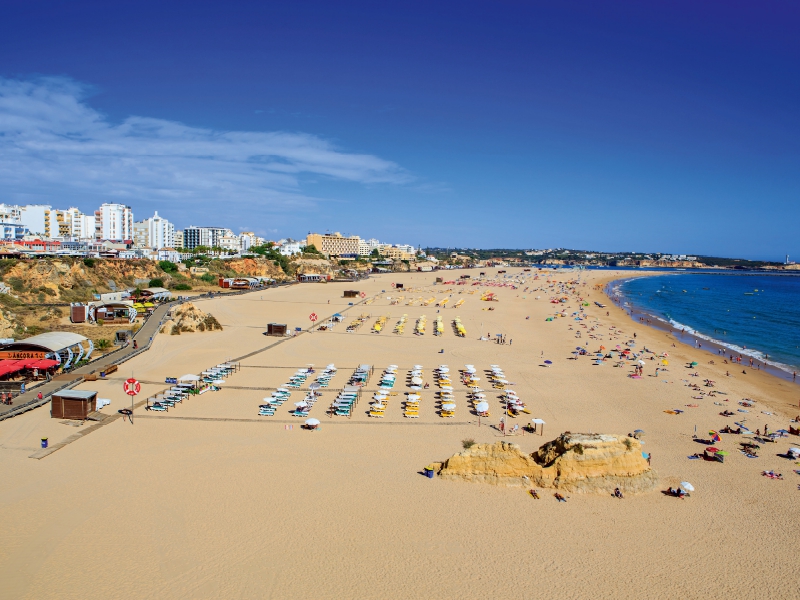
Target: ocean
<point>755,315</point>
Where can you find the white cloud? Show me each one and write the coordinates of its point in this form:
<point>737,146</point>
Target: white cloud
<point>55,147</point>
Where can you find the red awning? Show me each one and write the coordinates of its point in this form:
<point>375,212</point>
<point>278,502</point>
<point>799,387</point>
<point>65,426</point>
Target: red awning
<point>8,366</point>
<point>42,363</point>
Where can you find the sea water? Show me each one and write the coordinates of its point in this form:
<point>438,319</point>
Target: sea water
<point>755,315</point>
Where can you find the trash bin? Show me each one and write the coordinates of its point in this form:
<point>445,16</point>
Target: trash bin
<point>428,472</point>
<point>44,442</point>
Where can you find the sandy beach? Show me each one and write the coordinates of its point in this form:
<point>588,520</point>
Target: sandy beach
<point>210,500</point>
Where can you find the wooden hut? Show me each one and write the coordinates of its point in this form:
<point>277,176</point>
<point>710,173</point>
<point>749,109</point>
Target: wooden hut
<point>276,329</point>
<point>73,404</point>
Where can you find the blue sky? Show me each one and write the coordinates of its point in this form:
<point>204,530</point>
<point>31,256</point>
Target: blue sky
<point>658,126</point>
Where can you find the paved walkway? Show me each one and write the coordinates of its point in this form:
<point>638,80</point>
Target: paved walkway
<point>144,336</point>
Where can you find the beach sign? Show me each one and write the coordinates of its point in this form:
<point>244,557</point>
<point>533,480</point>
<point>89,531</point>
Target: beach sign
<point>313,317</point>
<point>131,386</point>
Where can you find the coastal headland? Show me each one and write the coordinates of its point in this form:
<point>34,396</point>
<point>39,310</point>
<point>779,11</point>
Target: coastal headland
<point>209,499</point>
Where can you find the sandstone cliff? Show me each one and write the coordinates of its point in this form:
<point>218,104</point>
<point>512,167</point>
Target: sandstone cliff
<point>575,462</point>
<point>254,267</point>
<point>69,280</point>
<point>187,318</point>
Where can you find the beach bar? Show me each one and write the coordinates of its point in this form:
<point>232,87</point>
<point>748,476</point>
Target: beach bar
<point>73,404</point>
<point>350,294</point>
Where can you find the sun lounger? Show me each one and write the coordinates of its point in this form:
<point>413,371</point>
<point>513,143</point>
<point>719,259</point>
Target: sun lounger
<point>158,407</point>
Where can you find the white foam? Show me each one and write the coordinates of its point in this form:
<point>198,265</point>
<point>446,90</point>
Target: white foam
<point>757,354</point>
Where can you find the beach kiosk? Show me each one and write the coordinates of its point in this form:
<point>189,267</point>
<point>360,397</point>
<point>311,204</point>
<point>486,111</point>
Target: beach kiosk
<point>350,294</point>
<point>276,329</point>
<point>73,404</point>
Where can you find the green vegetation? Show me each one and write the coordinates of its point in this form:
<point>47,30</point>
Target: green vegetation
<point>208,278</point>
<point>269,252</point>
<point>181,287</point>
<point>157,282</point>
<point>103,344</point>
<point>468,443</point>
<point>168,266</point>
<point>16,284</point>
<point>311,249</point>
<point>89,262</point>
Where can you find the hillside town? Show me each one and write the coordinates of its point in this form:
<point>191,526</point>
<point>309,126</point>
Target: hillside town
<point>111,232</point>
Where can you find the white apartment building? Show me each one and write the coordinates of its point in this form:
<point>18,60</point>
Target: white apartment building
<point>155,232</point>
<point>10,213</point>
<point>250,240</point>
<point>290,247</point>
<point>34,217</point>
<point>114,222</point>
<point>44,221</point>
<point>230,242</point>
<point>179,238</point>
<point>81,226</point>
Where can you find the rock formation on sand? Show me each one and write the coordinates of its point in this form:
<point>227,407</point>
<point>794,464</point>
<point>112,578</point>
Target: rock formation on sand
<point>575,462</point>
<point>187,318</point>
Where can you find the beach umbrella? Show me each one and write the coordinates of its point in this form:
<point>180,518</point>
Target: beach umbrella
<point>664,362</point>
<point>189,377</point>
<point>416,380</point>
<point>449,406</point>
<point>314,386</point>
<point>687,486</point>
<point>312,422</point>
<point>218,381</point>
<point>301,404</point>
<point>639,431</point>
<point>693,363</point>
<point>418,367</point>
<point>712,449</point>
<point>482,407</point>
<point>378,406</point>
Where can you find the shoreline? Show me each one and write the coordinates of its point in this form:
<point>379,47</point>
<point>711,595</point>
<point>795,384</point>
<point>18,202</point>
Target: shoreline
<point>658,323</point>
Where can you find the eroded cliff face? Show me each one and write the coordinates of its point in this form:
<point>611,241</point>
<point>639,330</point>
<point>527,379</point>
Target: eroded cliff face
<point>256,267</point>
<point>72,280</point>
<point>187,318</point>
<point>574,462</point>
